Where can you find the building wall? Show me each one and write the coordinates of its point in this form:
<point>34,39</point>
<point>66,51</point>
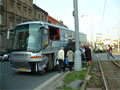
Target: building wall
<point>56,22</point>
<point>51,20</point>
<point>39,14</point>
<point>60,23</point>
<point>13,12</point>
<point>18,11</point>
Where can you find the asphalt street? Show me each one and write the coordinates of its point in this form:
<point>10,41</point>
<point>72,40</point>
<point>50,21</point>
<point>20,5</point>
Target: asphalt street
<point>10,79</point>
<point>13,80</point>
<point>103,56</point>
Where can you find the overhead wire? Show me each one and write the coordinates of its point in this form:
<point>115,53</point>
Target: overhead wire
<point>103,15</point>
<point>104,9</point>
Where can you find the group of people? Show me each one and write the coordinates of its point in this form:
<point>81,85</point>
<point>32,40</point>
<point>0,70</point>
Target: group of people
<point>70,57</point>
<point>85,56</point>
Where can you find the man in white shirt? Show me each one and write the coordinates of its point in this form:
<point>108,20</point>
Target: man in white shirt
<point>61,59</point>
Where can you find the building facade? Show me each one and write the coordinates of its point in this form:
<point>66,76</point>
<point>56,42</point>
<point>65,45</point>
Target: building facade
<point>56,22</point>
<point>39,14</point>
<point>13,12</point>
<point>51,20</point>
<point>60,23</point>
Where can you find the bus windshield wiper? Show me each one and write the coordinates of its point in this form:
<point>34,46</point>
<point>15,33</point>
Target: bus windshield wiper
<point>18,50</point>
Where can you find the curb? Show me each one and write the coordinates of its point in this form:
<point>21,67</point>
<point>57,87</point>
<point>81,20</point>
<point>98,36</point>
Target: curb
<point>83,87</point>
<point>53,80</point>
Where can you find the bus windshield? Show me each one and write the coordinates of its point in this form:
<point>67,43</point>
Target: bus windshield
<point>27,38</point>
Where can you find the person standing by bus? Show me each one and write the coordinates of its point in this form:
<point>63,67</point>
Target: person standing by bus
<point>61,60</point>
<point>110,52</point>
<point>88,55</point>
<point>70,56</point>
<point>82,50</point>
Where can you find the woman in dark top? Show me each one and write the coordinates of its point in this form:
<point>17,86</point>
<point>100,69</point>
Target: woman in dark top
<point>88,55</point>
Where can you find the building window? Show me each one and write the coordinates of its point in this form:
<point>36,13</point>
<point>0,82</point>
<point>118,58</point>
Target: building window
<point>1,18</point>
<point>18,20</point>
<point>11,24</point>
<point>24,1</point>
<point>39,16</point>
<point>1,2</point>
<point>18,10</point>
<point>49,21</point>
<point>24,12</point>
<point>35,13</point>
<point>29,2</point>
<point>42,18</point>
<point>29,12</point>
<point>11,7</point>
<point>24,20</point>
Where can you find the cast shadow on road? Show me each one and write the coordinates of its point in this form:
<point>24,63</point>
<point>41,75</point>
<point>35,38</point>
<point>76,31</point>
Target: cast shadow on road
<point>34,74</point>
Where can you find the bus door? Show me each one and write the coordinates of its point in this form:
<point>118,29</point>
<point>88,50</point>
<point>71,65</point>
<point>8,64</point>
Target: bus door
<point>45,40</point>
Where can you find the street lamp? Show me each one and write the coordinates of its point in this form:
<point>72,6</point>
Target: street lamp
<point>77,59</point>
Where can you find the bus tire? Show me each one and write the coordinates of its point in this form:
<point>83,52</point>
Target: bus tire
<point>50,64</point>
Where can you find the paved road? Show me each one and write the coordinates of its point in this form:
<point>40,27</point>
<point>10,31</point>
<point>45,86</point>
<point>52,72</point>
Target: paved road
<point>13,80</point>
<point>103,56</point>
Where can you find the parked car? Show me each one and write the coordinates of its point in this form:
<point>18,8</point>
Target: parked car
<point>5,56</point>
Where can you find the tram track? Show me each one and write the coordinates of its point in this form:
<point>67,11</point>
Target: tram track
<point>116,63</point>
<point>110,71</point>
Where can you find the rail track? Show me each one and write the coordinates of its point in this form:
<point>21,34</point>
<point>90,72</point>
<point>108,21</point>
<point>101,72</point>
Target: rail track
<point>110,71</point>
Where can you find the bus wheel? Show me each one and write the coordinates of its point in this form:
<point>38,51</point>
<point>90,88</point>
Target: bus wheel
<point>33,67</point>
<point>50,64</point>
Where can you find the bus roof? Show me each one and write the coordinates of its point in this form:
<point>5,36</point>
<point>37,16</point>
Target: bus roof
<point>46,23</point>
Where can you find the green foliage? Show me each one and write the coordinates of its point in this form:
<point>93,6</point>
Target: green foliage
<point>92,80</point>
<point>74,76</point>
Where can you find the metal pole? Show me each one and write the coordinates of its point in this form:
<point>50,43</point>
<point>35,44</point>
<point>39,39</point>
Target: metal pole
<point>77,59</point>
<point>91,32</point>
<point>118,34</point>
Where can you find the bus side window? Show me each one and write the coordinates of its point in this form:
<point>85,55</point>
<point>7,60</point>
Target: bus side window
<point>54,33</point>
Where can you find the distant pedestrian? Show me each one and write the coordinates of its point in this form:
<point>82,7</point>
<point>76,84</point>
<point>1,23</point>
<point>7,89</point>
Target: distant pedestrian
<point>107,51</point>
<point>98,49</point>
<point>70,56</point>
<point>61,59</point>
<point>88,55</point>
<point>110,53</point>
<point>82,54</point>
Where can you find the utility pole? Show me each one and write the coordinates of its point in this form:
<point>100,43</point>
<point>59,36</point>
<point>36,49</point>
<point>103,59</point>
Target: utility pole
<point>91,21</point>
<point>77,59</point>
<point>118,34</point>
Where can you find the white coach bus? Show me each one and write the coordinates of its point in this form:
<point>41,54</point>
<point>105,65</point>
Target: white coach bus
<point>35,45</point>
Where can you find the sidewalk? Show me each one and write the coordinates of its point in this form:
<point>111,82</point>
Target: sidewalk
<point>57,81</point>
<point>53,82</point>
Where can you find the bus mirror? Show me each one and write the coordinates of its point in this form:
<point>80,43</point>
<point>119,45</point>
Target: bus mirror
<point>8,34</point>
<point>42,27</point>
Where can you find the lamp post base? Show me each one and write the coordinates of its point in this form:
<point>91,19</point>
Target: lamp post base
<point>77,61</point>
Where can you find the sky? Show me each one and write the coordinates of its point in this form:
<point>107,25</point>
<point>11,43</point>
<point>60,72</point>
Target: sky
<point>95,16</point>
